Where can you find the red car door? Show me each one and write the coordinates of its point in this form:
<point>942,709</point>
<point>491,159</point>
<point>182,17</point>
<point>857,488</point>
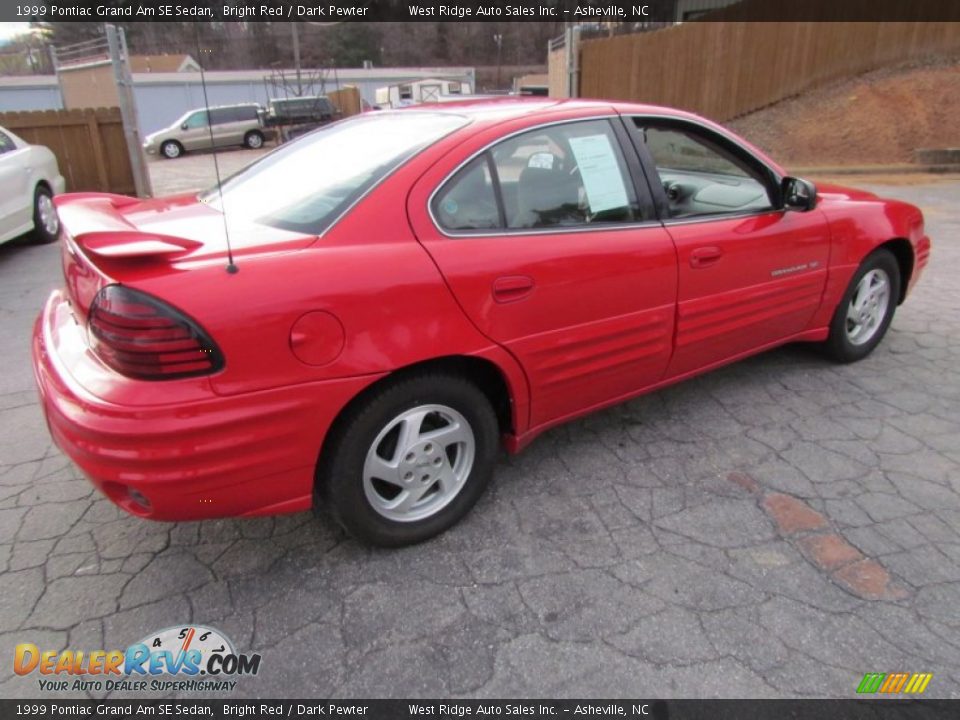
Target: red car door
<point>750,274</point>
<point>550,246</point>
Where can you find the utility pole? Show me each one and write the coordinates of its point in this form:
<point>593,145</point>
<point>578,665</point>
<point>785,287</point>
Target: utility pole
<point>120,61</point>
<point>296,55</point>
<point>498,39</point>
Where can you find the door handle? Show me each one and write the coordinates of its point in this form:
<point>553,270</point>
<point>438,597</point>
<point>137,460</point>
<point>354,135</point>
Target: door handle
<point>512,287</point>
<point>705,256</point>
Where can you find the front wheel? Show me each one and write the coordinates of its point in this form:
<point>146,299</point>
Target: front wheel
<point>171,149</point>
<point>411,460</point>
<point>866,310</point>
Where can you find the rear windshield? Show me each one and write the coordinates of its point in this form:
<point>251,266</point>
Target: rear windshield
<point>305,185</point>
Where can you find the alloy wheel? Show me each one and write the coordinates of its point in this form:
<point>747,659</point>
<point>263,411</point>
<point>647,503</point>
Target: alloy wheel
<point>418,463</point>
<point>868,306</point>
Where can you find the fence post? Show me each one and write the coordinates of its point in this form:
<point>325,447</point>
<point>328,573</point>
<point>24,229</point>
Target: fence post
<point>120,61</point>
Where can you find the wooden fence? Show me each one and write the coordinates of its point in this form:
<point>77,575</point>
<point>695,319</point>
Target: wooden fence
<point>726,69</point>
<point>89,144</point>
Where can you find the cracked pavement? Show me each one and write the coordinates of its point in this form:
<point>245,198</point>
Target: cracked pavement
<point>776,528</point>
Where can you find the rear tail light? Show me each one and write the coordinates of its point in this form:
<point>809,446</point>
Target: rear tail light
<point>142,337</point>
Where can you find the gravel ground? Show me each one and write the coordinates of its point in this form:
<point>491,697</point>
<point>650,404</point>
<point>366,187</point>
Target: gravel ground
<point>776,528</point>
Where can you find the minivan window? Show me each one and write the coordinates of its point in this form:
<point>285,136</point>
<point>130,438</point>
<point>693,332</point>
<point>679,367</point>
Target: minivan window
<point>305,185</point>
<point>196,120</point>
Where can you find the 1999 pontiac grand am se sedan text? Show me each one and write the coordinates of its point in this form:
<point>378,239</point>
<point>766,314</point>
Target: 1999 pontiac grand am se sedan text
<point>412,287</point>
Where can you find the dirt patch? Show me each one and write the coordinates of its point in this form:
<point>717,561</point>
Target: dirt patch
<point>878,118</point>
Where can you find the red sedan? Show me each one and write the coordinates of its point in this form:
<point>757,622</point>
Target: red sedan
<point>407,290</point>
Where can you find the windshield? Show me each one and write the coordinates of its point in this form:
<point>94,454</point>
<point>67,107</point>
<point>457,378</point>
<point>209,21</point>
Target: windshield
<point>305,185</point>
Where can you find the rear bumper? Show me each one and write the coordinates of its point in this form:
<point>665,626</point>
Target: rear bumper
<point>252,454</point>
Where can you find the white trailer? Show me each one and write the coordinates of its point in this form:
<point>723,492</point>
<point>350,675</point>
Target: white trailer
<point>421,91</point>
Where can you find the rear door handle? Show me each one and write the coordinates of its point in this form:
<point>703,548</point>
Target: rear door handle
<point>705,256</point>
<point>512,287</point>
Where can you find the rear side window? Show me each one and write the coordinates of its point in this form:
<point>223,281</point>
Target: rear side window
<point>219,116</point>
<point>232,114</point>
<point>469,201</point>
<point>567,175</point>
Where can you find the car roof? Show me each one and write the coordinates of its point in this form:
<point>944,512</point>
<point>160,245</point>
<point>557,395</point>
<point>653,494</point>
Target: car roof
<point>507,108</point>
<point>487,112</point>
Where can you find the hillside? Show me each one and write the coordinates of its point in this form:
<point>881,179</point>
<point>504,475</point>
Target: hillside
<point>873,119</point>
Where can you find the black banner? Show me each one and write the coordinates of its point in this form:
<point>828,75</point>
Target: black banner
<point>579,11</point>
<point>876,709</point>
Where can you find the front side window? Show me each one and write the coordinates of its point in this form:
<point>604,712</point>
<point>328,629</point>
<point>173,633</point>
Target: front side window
<point>700,176</point>
<point>196,120</point>
<point>304,185</point>
<point>567,175</point>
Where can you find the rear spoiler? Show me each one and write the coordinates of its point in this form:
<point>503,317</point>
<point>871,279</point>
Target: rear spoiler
<point>93,222</point>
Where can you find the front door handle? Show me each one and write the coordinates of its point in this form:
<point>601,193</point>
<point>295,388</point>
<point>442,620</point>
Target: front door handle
<point>705,256</point>
<point>512,287</point>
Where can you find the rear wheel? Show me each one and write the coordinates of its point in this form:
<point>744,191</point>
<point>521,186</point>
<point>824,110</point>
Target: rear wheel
<point>253,140</point>
<point>866,310</point>
<point>411,460</point>
<point>46,223</point>
<point>171,149</point>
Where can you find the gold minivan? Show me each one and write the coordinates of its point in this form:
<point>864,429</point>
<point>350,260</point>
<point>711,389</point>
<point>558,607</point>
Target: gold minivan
<point>225,124</point>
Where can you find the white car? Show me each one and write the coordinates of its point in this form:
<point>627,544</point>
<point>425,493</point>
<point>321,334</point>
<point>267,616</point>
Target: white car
<point>29,178</point>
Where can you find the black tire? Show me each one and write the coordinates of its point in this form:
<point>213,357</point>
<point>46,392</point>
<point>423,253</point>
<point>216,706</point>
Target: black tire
<point>340,485</point>
<point>253,140</point>
<point>42,234</point>
<point>839,345</point>
<point>171,149</point>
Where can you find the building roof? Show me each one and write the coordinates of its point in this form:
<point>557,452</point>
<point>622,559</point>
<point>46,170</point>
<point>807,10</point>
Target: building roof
<point>162,63</point>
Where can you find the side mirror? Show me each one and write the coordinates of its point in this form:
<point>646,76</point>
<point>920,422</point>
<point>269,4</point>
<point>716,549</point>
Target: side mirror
<point>798,194</point>
<point>183,127</point>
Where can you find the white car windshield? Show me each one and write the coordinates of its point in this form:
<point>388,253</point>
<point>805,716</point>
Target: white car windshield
<point>305,185</point>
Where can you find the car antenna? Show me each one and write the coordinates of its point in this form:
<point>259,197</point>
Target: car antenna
<point>231,266</point>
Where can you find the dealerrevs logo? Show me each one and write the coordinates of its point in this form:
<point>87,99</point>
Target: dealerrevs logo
<point>183,658</point>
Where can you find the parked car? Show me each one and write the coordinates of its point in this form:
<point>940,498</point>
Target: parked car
<point>203,129</point>
<point>290,118</point>
<point>29,178</point>
<point>402,292</point>
<point>289,111</point>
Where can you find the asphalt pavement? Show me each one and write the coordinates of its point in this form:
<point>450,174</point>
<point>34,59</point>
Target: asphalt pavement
<point>777,528</point>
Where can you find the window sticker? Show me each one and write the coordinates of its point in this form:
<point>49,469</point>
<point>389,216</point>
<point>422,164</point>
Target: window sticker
<point>600,172</point>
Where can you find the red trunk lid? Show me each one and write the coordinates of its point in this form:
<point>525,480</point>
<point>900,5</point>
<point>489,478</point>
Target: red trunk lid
<point>112,238</point>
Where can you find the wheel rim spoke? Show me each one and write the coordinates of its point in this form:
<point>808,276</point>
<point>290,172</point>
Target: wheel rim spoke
<point>409,433</point>
<point>446,436</point>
